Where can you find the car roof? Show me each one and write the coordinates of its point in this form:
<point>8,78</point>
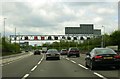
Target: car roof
<point>102,48</point>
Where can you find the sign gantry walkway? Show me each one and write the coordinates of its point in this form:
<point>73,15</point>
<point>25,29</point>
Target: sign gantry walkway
<point>50,37</point>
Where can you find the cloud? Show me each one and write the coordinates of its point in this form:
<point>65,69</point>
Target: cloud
<point>52,18</point>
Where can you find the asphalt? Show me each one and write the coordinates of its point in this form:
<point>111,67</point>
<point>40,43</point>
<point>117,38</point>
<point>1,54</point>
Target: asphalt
<point>35,66</point>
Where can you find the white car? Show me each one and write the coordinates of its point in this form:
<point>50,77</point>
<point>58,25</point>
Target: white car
<point>52,53</point>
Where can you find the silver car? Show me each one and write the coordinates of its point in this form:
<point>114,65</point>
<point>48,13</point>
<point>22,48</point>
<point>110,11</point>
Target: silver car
<point>52,53</point>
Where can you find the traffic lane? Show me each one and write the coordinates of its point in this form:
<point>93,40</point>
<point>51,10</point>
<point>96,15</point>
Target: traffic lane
<point>106,71</point>
<point>20,67</point>
<point>60,68</point>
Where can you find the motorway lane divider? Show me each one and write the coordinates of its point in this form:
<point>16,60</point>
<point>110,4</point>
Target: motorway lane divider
<point>83,66</point>
<point>12,59</point>
<point>26,75</point>
<point>99,75</point>
<point>14,55</point>
<point>95,73</point>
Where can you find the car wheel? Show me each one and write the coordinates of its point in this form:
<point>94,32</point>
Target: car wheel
<point>92,67</point>
<point>117,67</point>
<point>68,55</point>
<point>46,58</point>
<point>58,58</point>
<point>86,65</point>
<point>77,55</point>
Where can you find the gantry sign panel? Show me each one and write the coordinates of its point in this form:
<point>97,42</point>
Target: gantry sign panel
<point>46,37</point>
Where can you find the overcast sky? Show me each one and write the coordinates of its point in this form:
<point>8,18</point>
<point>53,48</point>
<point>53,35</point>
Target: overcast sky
<point>52,17</point>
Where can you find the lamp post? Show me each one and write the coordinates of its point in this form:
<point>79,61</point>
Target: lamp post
<point>15,39</point>
<point>4,26</point>
<point>103,39</point>
<point>4,29</point>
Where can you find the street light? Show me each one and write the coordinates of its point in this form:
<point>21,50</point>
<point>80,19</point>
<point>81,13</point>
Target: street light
<point>103,39</point>
<point>4,26</point>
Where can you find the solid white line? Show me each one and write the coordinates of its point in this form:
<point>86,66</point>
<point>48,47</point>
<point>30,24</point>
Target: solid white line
<point>99,75</point>
<point>34,68</point>
<point>82,66</point>
<point>14,60</point>
<point>73,61</point>
<point>25,76</point>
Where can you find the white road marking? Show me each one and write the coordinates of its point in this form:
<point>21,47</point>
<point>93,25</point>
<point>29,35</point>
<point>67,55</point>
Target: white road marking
<point>25,76</point>
<point>34,68</point>
<point>82,66</point>
<point>73,61</point>
<point>99,75</point>
<point>67,58</point>
<point>15,59</point>
<point>39,62</point>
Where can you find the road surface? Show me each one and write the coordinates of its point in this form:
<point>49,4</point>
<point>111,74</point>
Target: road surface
<point>35,66</point>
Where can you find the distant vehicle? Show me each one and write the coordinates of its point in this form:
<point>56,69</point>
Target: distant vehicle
<point>52,53</point>
<point>73,51</point>
<point>44,49</point>
<point>102,57</point>
<point>37,52</point>
<point>26,51</point>
<point>63,52</point>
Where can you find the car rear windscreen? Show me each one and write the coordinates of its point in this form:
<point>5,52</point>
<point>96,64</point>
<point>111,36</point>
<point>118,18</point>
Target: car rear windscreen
<point>74,49</point>
<point>52,50</point>
<point>104,51</point>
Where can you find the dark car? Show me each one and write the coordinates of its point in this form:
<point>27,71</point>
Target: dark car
<point>102,57</point>
<point>73,51</point>
<point>37,52</point>
<point>52,53</point>
<point>63,52</point>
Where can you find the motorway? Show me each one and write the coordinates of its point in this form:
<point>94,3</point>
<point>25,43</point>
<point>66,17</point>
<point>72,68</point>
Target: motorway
<point>35,66</point>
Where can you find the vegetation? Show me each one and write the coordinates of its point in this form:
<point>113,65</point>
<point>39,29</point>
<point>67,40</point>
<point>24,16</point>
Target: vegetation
<point>109,40</point>
<point>9,48</point>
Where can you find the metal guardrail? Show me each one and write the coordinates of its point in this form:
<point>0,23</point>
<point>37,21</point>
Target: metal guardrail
<point>15,55</point>
<point>11,58</point>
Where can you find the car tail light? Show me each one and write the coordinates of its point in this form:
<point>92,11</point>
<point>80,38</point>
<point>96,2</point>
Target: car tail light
<point>98,57</point>
<point>74,51</point>
<point>117,56</point>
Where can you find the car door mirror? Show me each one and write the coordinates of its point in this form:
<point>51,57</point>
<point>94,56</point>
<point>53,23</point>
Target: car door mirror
<point>88,54</point>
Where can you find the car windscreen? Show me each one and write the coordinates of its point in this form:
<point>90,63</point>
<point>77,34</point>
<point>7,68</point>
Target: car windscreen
<point>52,51</point>
<point>64,50</point>
<point>75,49</point>
<point>104,51</point>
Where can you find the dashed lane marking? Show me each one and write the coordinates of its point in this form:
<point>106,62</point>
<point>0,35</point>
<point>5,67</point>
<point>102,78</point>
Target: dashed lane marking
<point>73,61</point>
<point>95,73</point>
<point>82,66</point>
<point>67,58</point>
<point>26,75</point>
<point>99,75</point>
<point>39,62</point>
<point>34,68</point>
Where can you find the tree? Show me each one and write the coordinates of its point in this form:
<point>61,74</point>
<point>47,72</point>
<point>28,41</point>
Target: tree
<point>115,38</point>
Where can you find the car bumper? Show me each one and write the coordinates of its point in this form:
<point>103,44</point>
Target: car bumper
<point>73,54</point>
<point>37,53</point>
<point>112,63</point>
<point>63,53</point>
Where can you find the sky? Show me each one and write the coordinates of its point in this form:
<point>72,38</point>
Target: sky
<point>46,18</point>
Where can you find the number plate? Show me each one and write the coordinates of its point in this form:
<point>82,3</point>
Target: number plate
<point>108,57</point>
<point>52,54</point>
